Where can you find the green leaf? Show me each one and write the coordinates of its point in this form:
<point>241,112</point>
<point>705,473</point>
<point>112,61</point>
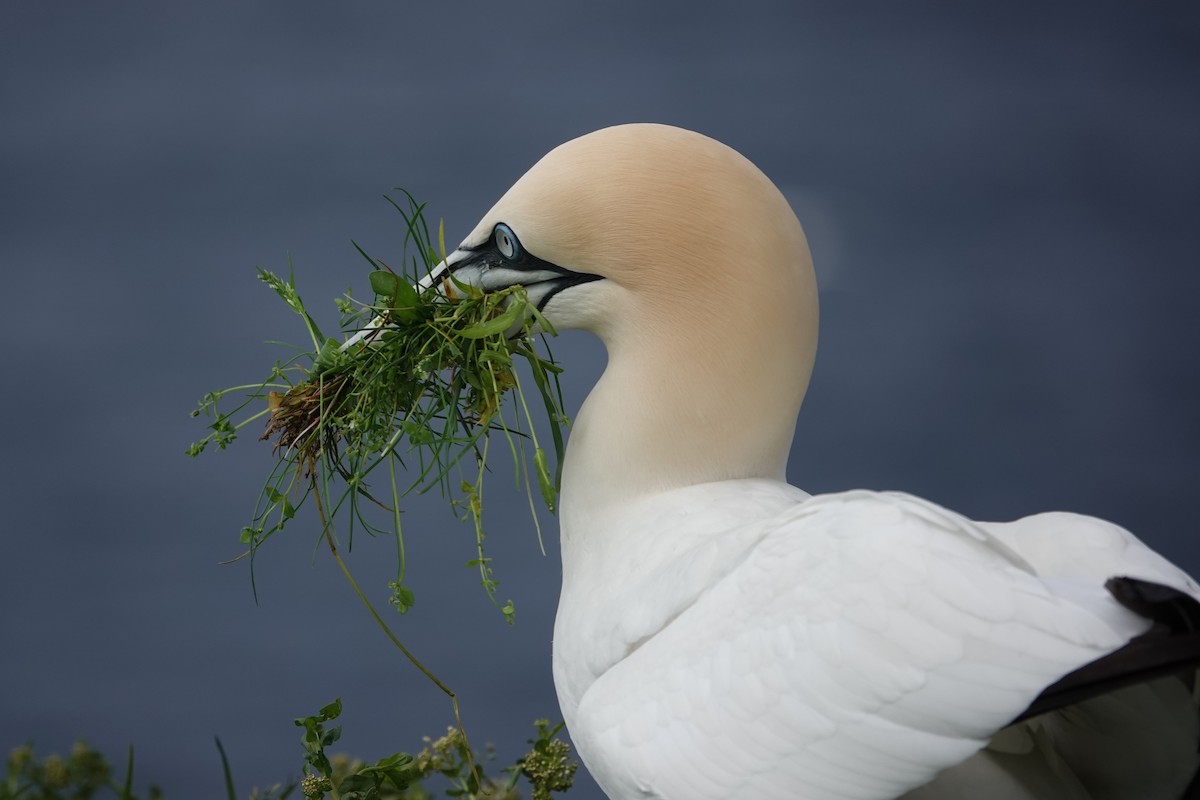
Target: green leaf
<point>402,598</point>
<point>331,736</point>
<point>398,769</point>
<point>495,325</point>
<point>537,368</point>
<point>330,358</point>
<point>393,761</point>
<point>384,283</point>
<point>549,495</point>
<point>331,711</point>
<point>402,298</point>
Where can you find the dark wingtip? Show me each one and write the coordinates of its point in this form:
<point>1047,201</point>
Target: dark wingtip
<point>1176,610</point>
<point>1171,645</point>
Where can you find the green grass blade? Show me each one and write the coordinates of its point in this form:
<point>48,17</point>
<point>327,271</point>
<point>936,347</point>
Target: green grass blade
<point>230,792</point>
<point>127,786</point>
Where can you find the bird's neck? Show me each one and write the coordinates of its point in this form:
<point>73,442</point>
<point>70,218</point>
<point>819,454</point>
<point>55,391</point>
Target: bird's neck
<point>667,414</point>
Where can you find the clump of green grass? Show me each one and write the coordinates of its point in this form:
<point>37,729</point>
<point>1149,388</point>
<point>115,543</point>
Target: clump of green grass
<point>407,400</point>
<point>547,767</point>
<point>82,774</point>
<point>445,763</point>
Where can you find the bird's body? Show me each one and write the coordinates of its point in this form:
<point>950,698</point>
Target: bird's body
<point>841,646</point>
<point>722,634</point>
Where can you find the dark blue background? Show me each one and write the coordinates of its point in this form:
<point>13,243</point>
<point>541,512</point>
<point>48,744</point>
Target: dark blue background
<point>1001,202</point>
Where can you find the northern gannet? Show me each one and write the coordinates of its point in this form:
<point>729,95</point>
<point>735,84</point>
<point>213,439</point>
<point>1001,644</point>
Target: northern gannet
<point>722,634</point>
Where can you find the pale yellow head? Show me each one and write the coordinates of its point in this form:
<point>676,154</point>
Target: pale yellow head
<point>705,300</point>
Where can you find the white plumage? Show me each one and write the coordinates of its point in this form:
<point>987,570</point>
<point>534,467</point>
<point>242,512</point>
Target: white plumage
<point>722,634</point>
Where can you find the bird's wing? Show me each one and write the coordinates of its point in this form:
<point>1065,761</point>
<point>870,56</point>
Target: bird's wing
<point>1063,544</point>
<point>862,629</point>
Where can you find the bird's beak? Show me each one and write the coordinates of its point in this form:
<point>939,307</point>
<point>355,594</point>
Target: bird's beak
<point>483,268</point>
<point>438,278</point>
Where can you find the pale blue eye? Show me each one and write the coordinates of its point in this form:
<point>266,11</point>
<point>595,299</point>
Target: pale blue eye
<point>506,241</point>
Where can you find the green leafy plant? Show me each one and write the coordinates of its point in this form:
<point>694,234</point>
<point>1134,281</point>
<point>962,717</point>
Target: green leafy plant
<point>546,767</point>
<point>448,760</point>
<point>407,399</point>
<point>403,404</point>
<point>84,773</point>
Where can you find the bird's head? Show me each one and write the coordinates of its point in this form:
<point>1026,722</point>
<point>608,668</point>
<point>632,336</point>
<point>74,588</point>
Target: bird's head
<point>690,266</point>
<point>646,229</point>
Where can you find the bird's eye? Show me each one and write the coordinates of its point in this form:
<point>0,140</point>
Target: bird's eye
<point>506,242</point>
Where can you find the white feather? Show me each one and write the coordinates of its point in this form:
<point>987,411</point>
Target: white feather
<point>786,652</point>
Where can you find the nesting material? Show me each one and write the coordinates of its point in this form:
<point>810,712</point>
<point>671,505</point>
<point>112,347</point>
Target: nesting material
<point>407,399</point>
